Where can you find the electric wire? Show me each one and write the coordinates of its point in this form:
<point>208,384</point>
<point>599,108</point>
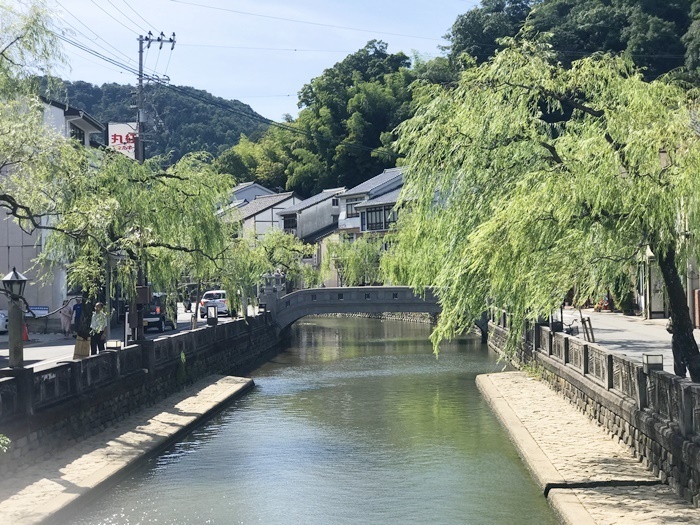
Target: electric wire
<point>139,15</point>
<point>125,16</point>
<point>113,18</point>
<point>93,32</point>
<point>225,106</point>
<point>297,21</point>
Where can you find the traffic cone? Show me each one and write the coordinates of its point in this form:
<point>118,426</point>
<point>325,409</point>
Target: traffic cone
<point>25,333</point>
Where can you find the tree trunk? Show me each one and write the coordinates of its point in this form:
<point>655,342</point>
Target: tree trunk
<point>685,349</point>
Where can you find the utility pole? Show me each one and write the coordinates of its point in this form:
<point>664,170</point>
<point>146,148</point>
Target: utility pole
<point>143,293</point>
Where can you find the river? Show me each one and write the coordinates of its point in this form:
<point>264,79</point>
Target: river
<point>355,422</point>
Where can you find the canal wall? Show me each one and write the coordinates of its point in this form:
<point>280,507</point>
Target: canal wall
<point>408,317</point>
<point>656,415</point>
<point>43,412</point>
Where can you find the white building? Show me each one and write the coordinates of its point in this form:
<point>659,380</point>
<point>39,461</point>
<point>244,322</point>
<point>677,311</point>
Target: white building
<point>19,249</point>
<point>350,220</point>
<point>261,214</point>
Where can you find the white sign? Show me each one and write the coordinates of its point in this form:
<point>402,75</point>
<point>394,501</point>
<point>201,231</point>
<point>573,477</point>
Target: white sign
<point>122,137</point>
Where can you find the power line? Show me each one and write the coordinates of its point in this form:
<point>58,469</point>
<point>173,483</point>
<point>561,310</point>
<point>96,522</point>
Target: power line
<point>93,32</point>
<point>139,15</point>
<point>124,15</point>
<point>112,17</point>
<point>297,21</point>
<point>225,106</point>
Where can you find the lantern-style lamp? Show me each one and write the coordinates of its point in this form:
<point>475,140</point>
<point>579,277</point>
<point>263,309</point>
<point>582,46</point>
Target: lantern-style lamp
<point>14,282</point>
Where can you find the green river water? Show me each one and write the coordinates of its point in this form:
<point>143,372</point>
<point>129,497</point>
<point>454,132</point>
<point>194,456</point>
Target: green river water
<point>354,422</point>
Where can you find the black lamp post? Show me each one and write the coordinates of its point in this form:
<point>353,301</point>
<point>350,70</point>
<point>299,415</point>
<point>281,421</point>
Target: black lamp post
<point>13,284</point>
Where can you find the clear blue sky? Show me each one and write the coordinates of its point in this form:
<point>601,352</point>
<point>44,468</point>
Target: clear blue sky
<point>259,52</point>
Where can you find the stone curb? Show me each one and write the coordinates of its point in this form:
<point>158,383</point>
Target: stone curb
<point>200,402</point>
<point>565,503</point>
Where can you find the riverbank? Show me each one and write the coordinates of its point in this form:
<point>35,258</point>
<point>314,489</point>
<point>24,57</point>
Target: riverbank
<point>587,477</point>
<point>51,486</point>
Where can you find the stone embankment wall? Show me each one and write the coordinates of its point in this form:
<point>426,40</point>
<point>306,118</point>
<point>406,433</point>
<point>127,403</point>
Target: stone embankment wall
<point>43,412</point>
<point>408,317</point>
<point>654,413</point>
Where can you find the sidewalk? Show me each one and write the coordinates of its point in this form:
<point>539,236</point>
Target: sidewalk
<point>629,335</point>
<point>588,478</point>
<point>36,493</point>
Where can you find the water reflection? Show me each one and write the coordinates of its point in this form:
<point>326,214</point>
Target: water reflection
<point>355,422</point>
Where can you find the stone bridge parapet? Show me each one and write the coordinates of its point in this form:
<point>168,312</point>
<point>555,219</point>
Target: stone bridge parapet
<point>361,299</point>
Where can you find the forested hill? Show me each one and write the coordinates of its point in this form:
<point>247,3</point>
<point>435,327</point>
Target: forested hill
<point>180,120</point>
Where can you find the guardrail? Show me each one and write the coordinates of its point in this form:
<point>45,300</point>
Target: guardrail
<point>25,391</point>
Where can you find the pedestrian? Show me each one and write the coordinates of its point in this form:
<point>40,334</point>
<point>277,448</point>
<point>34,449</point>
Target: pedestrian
<point>98,324</point>
<point>77,311</point>
<point>66,313</point>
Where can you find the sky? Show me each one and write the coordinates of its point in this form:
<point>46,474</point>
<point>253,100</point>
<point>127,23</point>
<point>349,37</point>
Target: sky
<point>259,52</point>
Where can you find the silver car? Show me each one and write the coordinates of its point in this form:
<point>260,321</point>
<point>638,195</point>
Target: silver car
<point>213,298</point>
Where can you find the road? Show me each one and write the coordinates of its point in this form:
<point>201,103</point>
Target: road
<point>44,350</point>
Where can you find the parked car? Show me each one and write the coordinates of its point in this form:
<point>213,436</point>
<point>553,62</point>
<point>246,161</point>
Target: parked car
<point>3,320</point>
<point>213,298</point>
<point>156,314</point>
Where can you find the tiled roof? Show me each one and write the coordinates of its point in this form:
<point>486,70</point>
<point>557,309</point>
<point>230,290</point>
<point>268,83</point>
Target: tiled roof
<point>242,185</point>
<point>372,183</point>
<point>384,199</point>
<point>263,202</point>
<point>307,203</point>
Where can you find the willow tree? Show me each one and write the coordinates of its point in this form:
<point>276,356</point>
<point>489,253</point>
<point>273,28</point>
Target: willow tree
<point>528,179</point>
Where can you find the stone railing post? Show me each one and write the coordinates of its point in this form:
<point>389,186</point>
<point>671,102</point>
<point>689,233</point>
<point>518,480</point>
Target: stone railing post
<point>25,389</point>
<point>686,409</point>
<point>642,401</point>
<point>76,373</point>
<point>549,343</point>
<point>148,356</point>
<point>609,372</point>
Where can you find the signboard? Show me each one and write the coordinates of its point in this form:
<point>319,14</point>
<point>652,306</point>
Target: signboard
<point>122,137</point>
<point>39,311</point>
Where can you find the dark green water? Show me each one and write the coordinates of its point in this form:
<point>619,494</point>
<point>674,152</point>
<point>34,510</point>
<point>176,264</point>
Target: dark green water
<point>356,422</point>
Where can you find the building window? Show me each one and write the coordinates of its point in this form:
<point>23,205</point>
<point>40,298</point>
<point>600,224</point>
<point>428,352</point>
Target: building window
<point>379,218</point>
<point>287,304</point>
<point>313,296</point>
<point>367,296</point>
<point>350,206</point>
<point>77,133</point>
<point>334,201</point>
<point>363,221</point>
<point>395,295</point>
<point>290,222</point>
<point>340,297</point>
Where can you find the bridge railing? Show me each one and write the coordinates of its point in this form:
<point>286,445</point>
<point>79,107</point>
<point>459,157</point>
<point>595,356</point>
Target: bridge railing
<point>23,390</point>
<point>670,396</point>
<point>375,299</point>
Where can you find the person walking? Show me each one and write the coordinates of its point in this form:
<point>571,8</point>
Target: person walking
<point>77,311</point>
<point>98,325</point>
<point>66,314</point>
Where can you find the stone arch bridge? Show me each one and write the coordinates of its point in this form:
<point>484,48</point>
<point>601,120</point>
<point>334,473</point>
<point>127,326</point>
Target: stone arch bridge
<point>361,299</point>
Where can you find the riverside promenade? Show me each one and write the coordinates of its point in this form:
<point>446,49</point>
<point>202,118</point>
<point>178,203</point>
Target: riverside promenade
<point>588,476</point>
<point>37,493</point>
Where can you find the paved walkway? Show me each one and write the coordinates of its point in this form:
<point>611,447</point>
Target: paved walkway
<point>604,484</point>
<point>36,493</point>
<point>629,335</point>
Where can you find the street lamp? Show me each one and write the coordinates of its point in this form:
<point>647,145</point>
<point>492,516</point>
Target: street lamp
<point>212,315</point>
<point>13,285</point>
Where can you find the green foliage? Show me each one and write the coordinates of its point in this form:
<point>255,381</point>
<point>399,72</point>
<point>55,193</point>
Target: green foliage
<point>478,31</point>
<point>27,46</point>
<point>529,179</point>
<point>344,127</point>
<point>4,443</point>
<point>357,261</point>
<point>177,123</point>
